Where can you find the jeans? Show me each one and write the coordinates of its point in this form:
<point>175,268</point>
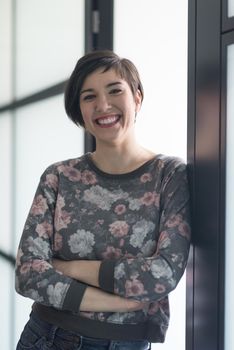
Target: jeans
<point>40,335</point>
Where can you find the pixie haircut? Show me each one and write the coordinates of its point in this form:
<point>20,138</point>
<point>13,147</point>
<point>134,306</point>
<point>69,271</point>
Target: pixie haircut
<point>87,64</point>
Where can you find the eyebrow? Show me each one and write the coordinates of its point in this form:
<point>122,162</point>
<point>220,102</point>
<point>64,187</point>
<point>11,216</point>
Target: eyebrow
<point>107,86</point>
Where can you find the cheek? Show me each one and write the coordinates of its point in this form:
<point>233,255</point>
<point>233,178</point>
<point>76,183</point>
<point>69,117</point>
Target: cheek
<point>85,111</point>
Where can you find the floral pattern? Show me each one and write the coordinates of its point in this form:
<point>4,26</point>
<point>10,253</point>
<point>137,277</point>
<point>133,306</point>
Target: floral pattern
<point>138,220</point>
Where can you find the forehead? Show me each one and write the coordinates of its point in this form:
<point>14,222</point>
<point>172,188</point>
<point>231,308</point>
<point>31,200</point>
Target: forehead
<point>99,76</point>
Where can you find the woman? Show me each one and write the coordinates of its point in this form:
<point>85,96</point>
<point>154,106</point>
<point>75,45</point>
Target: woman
<point>107,236</point>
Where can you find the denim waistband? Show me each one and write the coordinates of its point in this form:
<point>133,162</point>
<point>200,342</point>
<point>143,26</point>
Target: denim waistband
<point>51,332</point>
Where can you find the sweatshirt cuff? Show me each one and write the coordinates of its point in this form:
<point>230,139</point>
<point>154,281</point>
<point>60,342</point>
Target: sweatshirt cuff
<point>106,275</point>
<point>74,296</point>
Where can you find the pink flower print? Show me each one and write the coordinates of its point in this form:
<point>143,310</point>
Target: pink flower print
<point>121,242</point>
<point>148,198</point>
<point>52,181</point>
<point>62,219</point>
<point>73,162</point>
<point>157,200</point>
<point>44,229</point>
<point>60,202</point>
<point>58,241</point>
<point>159,288</point>
<point>72,173</point>
<point>88,177</point>
<point>40,265</point>
<point>111,253</point>
<point>163,237</point>
<point>39,206</point>
<point>160,164</point>
<point>146,177</point>
<point>134,288</point>
<point>153,308</point>
<point>25,268</point>
<point>174,221</point>
<point>184,229</point>
<point>120,209</point>
<point>119,228</point>
<point>19,256</point>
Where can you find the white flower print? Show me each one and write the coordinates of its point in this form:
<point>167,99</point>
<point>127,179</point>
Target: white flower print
<point>120,317</point>
<point>119,271</point>
<point>33,294</point>
<point>161,269</point>
<point>102,197</point>
<point>137,239</point>
<point>39,247</point>
<point>81,242</point>
<point>56,293</point>
<point>134,203</point>
<point>140,231</point>
<point>143,226</point>
<point>149,248</point>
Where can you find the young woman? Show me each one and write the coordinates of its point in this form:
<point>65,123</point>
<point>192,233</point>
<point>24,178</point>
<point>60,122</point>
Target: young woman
<point>107,236</point>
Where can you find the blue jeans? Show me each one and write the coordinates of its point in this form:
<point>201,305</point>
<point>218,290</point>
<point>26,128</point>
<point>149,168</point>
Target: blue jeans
<point>40,335</point>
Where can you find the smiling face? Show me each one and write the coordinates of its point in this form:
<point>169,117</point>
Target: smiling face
<point>108,106</point>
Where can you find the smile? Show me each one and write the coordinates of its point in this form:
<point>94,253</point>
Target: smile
<point>107,120</point>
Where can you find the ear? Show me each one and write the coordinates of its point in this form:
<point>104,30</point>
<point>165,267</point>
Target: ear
<point>138,100</point>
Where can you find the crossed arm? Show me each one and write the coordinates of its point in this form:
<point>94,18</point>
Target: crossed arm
<point>94,299</point>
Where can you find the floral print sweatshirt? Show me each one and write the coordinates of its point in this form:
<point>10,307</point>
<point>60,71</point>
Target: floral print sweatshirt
<point>136,224</point>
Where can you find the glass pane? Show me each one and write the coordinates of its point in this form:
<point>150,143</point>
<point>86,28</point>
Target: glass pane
<point>229,284</point>
<point>49,41</point>
<point>5,50</point>
<point>6,291</point>
<point>159,50</point>
<point>230,8</point>
<point>6,181</point>
<point>44,135</point>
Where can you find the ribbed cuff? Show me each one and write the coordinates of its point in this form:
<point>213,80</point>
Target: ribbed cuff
<point>74,296</point>
<point>106,275</point>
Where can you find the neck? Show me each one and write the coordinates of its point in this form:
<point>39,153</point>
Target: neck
<point>119,159</point>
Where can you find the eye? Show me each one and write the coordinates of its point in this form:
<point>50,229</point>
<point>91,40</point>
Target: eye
<point>115,91</point>
<point>89,97</point>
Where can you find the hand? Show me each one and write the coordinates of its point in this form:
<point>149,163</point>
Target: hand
<point>86,271</point>
<point>66,267</point>
<point>96,300</point>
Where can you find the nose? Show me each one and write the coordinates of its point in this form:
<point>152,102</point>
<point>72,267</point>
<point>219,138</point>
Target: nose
<point>102,103</point>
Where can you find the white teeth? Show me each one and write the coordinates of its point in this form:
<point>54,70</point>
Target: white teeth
<point>107,120</point>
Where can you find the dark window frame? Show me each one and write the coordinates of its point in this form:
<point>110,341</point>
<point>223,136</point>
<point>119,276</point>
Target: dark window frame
<point>227,22</point>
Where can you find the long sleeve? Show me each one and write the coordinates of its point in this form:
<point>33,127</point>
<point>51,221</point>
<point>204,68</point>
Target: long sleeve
<point>152,278</point>
<point>35,276</point>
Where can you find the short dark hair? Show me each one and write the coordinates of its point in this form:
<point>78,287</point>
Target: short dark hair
<point>88,64</point>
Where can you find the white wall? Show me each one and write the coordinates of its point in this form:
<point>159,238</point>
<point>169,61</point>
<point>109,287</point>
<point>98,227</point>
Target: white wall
<point>153,34</point>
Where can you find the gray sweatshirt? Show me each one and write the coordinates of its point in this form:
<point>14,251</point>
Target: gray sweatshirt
<point>136,224</point>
